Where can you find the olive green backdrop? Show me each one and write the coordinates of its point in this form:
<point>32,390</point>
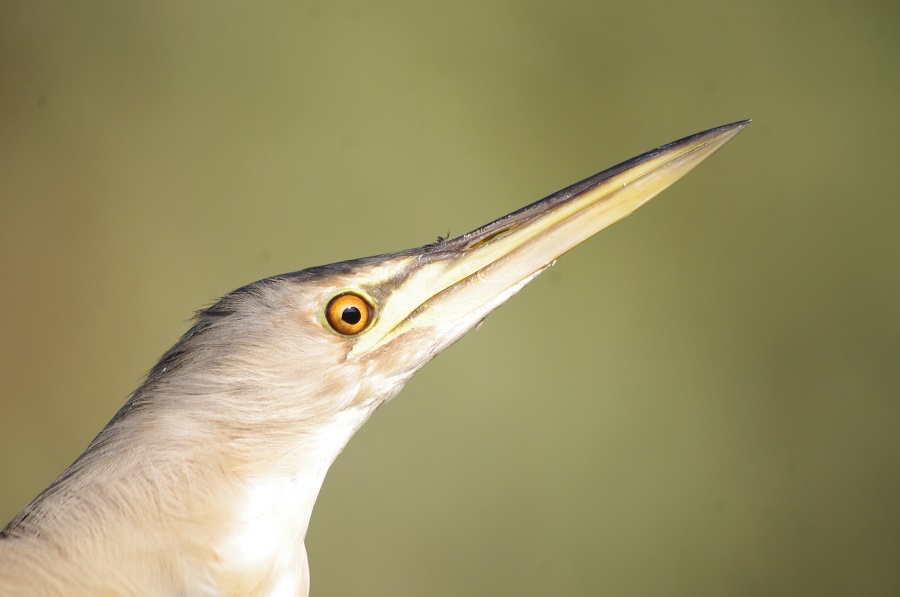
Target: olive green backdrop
<point>703,400</point>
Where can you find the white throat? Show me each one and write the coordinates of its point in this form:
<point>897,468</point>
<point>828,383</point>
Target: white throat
<point>271,514</point>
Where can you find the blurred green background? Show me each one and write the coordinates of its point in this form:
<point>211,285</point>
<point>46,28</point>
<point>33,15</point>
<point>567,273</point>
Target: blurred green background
<point>703,400</point>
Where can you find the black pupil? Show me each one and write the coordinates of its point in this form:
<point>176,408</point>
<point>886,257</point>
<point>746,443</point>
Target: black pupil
<point>351,315</point>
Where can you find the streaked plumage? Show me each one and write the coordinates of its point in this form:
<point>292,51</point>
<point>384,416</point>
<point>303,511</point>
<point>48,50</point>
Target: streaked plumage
<point>204,482</point>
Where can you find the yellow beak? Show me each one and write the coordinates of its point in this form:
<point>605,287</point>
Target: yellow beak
<point>450,286</point>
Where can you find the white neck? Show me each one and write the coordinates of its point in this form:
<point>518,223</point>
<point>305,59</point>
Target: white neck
<point>271,513</point>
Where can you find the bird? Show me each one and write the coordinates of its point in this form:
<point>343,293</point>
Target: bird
<point>204,481</point>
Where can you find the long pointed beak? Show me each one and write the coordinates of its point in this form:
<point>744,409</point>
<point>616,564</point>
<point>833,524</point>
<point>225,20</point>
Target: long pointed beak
<point>452,285</point>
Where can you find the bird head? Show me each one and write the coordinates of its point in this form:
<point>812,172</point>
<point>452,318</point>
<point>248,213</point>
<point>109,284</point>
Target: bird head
<point>291,354</point>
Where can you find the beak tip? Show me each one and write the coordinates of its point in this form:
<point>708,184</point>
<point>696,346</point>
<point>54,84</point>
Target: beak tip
<point>739,125</point>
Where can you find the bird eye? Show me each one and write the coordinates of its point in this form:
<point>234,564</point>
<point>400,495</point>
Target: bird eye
<point>348,314</point>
